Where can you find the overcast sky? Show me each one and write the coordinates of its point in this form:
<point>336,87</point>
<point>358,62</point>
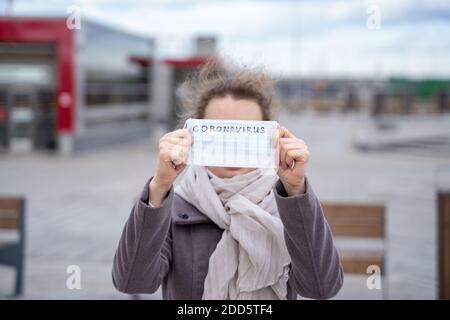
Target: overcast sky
<point>306,37</point>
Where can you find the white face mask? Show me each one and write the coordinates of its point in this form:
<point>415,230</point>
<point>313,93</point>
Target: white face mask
<point>233,143</point>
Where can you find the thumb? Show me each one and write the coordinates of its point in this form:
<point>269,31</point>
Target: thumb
<point>285,133</point>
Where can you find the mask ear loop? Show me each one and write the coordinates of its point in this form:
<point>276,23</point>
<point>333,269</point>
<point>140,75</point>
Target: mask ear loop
<point>186,123</point>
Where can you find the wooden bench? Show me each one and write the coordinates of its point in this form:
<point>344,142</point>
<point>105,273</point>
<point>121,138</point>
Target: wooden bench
<point>12,217</point>
<point>359,221</point>
<point>444,244</point>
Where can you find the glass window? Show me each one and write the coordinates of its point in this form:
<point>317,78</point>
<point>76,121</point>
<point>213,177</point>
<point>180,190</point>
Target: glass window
<point>116,66</point>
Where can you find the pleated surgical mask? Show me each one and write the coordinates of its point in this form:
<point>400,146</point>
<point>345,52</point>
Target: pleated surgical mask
<point>233,143</point>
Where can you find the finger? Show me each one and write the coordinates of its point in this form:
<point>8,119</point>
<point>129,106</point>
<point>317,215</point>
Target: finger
<point>275,138</point>
<point>188,137</point>
<point>182,134</point>
<point>285,133</point>
<point>178,141</point>
<point>292,140</point>
<point>288,159</point>
<point>178,133</point>
<point>297,156</point>
<point>282,160</point>
<point>170,152</point>
<point>176,167</point>
<point>291,146</point>
<point>179,154</point>
<point>164,150</point>
<point>171,164</point>
<point>180,167</point>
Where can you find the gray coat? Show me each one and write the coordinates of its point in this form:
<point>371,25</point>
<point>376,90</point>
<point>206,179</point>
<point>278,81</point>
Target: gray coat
<point>171,246</point>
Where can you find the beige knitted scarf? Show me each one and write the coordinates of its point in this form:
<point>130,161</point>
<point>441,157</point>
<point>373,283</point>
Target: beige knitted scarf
<point>251,259</point>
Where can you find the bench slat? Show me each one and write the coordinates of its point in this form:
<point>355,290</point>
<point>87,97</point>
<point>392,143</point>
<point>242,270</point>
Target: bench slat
<point>356,262</point>
<point>355,220</point>
<point>10,209</point>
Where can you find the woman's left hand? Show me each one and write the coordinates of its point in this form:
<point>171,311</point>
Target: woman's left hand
<point>293,158</point>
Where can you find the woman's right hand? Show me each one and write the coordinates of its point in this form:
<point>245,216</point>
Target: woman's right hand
<point>173,153</point>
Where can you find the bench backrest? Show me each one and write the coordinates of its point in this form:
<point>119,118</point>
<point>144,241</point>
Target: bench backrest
<point>11,213</point>
<point>355,220</point>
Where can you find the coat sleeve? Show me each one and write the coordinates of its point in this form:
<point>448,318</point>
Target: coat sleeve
<point>144,253</point>
<point>316,271</point>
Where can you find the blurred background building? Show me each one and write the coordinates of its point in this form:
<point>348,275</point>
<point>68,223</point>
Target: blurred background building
<point>68,90</point>
<point>59,92</point>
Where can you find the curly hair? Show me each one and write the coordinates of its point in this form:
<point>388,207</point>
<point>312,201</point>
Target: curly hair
<point>214,80</point>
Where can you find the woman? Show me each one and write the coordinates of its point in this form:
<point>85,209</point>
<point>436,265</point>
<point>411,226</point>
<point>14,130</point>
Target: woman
<point>228,233</point>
